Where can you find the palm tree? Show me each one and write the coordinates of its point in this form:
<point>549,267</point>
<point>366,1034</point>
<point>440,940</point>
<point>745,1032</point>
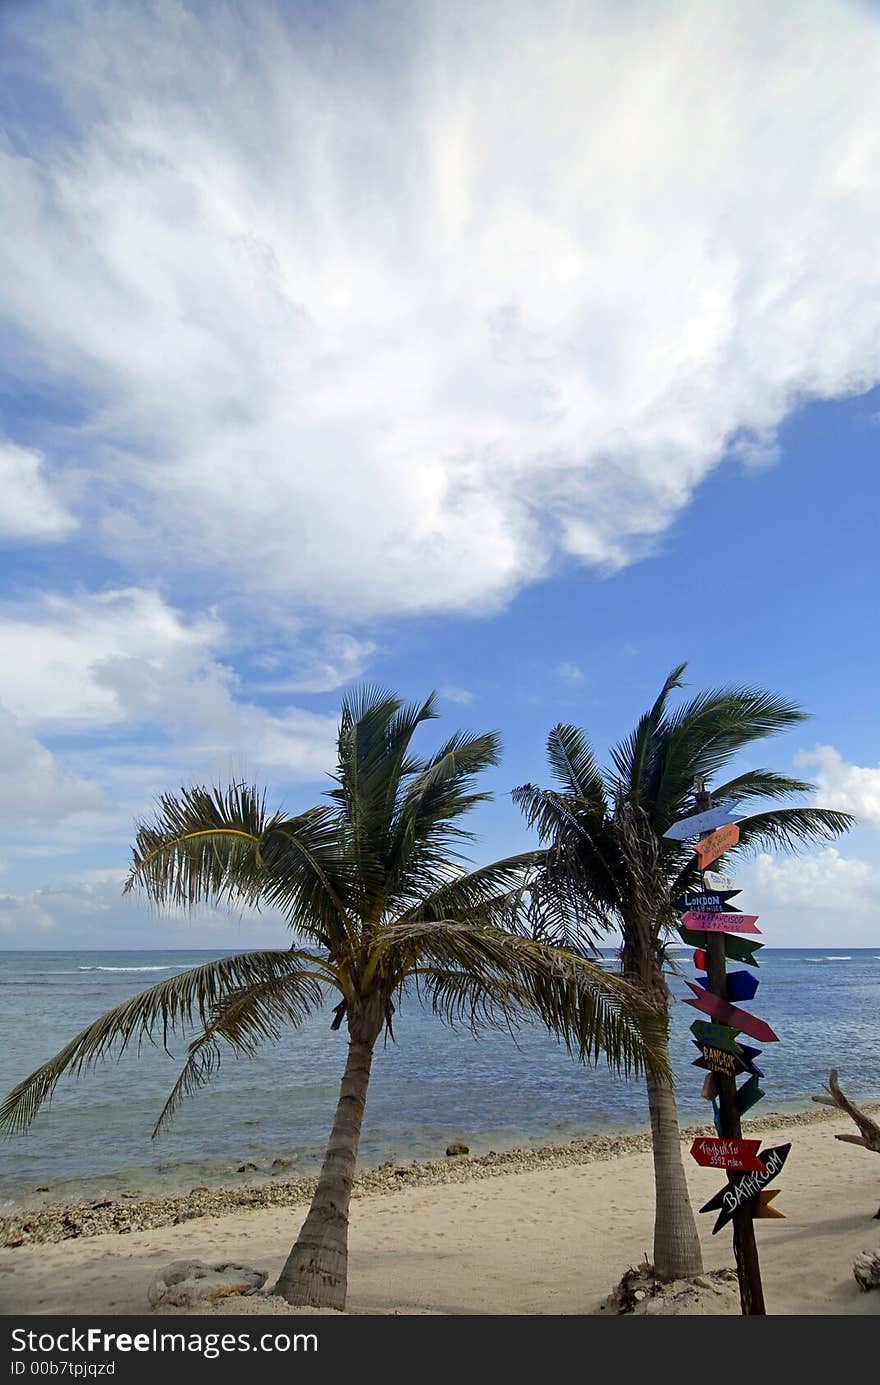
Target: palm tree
<point>374,889</point>
<point>609,867</point>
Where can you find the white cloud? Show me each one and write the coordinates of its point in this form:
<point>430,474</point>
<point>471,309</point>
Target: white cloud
<point>823,881</point>
<point>21,916</point>
<point>849,788</point>
<point>72,659</point>
<point>91,911</point>
<point>126,667</point>
<point>28,509</point>
<point>322,664</point>
<point>390,326</point>
<point>33,787</point>
<point>569,673</point>
<point>453,694</point>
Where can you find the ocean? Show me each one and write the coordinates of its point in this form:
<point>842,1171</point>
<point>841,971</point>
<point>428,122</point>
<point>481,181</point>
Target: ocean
<point>433,1086</point>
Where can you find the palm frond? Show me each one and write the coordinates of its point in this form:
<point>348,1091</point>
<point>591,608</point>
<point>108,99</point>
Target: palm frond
<point>593,1011</point>
<point>761,783</point>
<point>244,1019</point>
<point>178,1000</point>
<point>787,829</point>
<point>460,998</point>
<point>574,766</point>
<point>633,757</point>
<point>476,894</point>
<point>203,845</point>
<point>704,734</point>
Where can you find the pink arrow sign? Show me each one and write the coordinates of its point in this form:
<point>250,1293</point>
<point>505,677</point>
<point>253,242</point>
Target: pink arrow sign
<point>725,1013</point>
<point>728,1154</point>
<point>720,923</point>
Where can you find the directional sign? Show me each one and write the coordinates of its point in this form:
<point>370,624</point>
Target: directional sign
<point>719,1060</point>
<point>709,1089</point>
<point>762,1206</point>
<point>741,985</point>
<point>720,923</point>
<point>748,1057</point>
<point>728,1154</point>
<point>741,949</point>
<point>711,847</point>
<point>725,1013</point>
<point>743,1187</point>
<point>728,1064</point>
<point>718,1035</point>
<point>714,880</point>
<point>704,901</point>
<point>703,822</point>
<point>748,1095</point>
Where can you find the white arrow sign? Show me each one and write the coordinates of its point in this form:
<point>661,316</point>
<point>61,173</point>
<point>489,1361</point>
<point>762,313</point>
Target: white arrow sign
<point>714,880</point>
<point>703,822</point>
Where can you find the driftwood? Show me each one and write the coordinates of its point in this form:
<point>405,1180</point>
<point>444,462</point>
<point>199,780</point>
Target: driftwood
<point>870,1136</point>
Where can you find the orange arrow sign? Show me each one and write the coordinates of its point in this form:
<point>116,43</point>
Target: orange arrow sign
<point>761,1205</point>
<point>713,846</point>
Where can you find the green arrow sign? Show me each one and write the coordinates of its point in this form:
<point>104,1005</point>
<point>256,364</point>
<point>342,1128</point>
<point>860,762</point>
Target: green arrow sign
<point>740,949</point>
<point>716,1036</point>
<point>748,1095</point>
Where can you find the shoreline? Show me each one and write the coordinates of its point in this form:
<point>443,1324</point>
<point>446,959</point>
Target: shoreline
<point>121,1216</point>
<point>544,1232</point>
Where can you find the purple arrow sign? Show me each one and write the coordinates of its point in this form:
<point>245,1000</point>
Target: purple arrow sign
<point>720,923</point>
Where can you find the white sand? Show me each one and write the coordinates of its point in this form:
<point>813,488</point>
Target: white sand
<point>545,1241</point>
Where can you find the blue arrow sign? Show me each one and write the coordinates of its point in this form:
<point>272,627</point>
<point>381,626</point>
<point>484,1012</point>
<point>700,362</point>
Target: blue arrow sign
<point>741,985</point>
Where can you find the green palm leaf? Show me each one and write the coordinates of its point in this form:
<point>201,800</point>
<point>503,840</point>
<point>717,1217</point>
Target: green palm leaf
<point>176,1001</point>
<point>245,1019</point>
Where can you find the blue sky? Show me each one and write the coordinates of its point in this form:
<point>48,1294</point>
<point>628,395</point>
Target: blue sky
<point>518,351</point>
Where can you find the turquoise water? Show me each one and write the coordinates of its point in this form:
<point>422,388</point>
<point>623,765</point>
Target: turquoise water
<point>434,1085</point>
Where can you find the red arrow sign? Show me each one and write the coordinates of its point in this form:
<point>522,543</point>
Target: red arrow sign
<point>725,1013</point>
<point>727,1154</point>
<point>720,923</point>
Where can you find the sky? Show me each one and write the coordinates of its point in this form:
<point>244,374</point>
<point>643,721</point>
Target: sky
<point>519,351</point>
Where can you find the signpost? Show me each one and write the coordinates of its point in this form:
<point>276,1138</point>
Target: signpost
<point>719,1035</point>
<point>720,1060</point>
<point>712,1004</point>
<point>715,880</point>
<point>702,822</point>
<point>741,985</point>
<point>742,949</point>
<point>728,1154</point>
<point>762,1206</point>
<point>720,923</point>
<point>714,902</point>
<point>711,926</point>
<point>744,1187</point>
<point>713,846</point>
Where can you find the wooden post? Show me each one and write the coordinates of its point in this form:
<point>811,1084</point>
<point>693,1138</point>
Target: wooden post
<point>745,1249</point>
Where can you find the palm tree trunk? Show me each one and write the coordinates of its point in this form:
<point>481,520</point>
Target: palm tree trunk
<point>316,1271</point>
<point>677,1253</point>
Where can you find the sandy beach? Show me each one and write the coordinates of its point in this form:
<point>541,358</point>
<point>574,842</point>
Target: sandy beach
<point>541,1233</point>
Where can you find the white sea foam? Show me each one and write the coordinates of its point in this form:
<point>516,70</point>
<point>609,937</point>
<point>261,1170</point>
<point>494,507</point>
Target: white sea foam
<point>170,966</point>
